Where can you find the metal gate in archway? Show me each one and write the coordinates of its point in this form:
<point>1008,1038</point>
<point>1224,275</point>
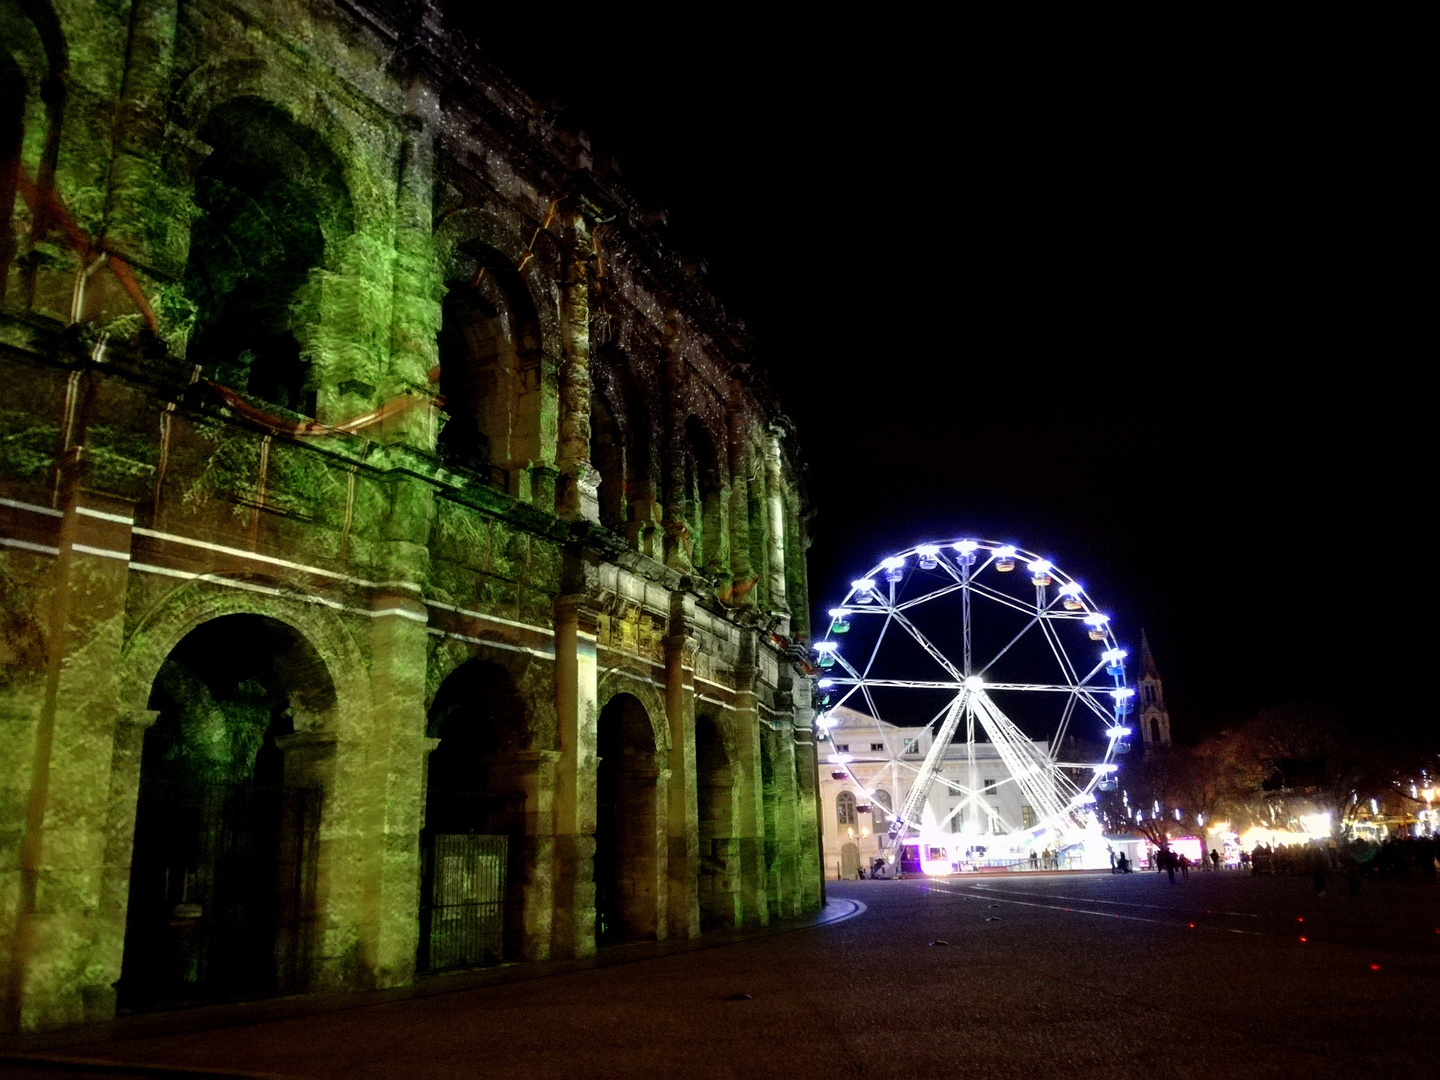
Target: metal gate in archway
<point>462,909</point>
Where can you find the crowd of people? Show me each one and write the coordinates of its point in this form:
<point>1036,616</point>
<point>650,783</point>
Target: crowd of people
<point>1392,858</point>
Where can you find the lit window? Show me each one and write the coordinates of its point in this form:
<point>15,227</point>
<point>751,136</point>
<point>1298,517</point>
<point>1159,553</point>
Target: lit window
<point>1027,817</point>
<point>845,809</point>
<point>912,746</point>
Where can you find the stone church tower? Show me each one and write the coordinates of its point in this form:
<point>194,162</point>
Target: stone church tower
<point>1154,718</point>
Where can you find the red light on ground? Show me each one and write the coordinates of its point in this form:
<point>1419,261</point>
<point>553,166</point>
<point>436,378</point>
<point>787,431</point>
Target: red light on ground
<point>1374,967</point>
<point>1192,926</point>
<point>1304,938</point>
<point>1300,918</point>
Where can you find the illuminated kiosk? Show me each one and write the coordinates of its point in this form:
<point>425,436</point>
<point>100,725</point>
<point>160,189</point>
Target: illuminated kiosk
<point>974,701</point>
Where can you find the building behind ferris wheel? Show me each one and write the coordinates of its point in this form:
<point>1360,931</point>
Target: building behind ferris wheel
<point>870,763</point>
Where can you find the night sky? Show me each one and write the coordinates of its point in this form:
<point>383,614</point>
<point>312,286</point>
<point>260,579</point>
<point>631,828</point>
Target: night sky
<point>1143,317</point>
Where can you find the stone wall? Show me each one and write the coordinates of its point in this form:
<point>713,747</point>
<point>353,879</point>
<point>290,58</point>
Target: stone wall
<point>357,434</point>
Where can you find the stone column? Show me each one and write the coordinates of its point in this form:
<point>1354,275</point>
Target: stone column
<point>576,698</point>
<point>530,893</point>
<point>775,498</point>
<point>672,458</point>
<point>661,845</point>
<point>139,193</point>
<point>60,912</point>
<point>787,822</point>
<point>127,749</point>
<point>742,594</point>
<point>415,306</point>
<point>578,492</point>
<point>750,802</point>
<point>683,810</point>
<point>810,846</point>
<point>376,802</point>
<point>308,864</point>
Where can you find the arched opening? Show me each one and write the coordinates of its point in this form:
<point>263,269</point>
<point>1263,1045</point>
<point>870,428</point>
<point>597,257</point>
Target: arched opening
<point>607,454</point>
<point>271,198</point>
<point>470,844</point>
<point>620,441</point>
<point>627,838</point>
<point>719,883</point>
<point>223,882</point>
<point>849,862</point>
<point>33,63</point>
<point>846,816</point>
<point>702,498</point>
<point>489,367</point>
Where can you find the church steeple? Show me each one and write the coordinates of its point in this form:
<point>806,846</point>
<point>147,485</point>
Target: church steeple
<point>1154,719</point>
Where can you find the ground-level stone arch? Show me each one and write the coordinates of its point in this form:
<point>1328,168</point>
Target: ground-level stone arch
<point>718,786</point>
<point>229,874</point>
<point>169,621</point>
<point>631,866</point>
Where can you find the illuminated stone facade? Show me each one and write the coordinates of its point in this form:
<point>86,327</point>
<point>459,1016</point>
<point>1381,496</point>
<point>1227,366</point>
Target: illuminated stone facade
<point>399,552</point>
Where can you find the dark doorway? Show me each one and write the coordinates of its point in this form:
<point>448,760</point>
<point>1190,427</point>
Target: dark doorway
<point>719,855</point>
<point>471,844</point>
<point>627,868</point>
<point>222,883</point>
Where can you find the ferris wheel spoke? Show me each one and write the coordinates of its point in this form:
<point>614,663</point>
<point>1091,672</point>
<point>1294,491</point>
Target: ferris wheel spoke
<point>919,793</point>
<point>928,646</point>
<point>870,701</point>
<point>1061,657</point>
<point>936,595</point>
<point>1060,731</point>
<point>879,641</point>
<point>1018,752</point>
<point>1064,661</point>
<point>844,698</point>
<point>1009,645</point>
<point>1001,598</point>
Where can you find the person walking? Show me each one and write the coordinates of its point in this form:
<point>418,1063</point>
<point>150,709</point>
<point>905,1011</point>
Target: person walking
<point>1215,859</point>
<point>1319,862</point>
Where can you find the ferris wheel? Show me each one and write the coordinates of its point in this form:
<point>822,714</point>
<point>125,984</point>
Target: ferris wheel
<point>981,667</point>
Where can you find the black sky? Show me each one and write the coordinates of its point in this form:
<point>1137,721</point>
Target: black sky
<point>1140,310</point>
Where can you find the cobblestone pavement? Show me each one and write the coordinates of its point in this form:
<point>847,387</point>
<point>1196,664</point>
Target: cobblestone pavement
<point>1067,975</point>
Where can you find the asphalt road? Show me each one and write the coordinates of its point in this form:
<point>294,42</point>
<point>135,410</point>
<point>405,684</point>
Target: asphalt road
<point>1022,975</point>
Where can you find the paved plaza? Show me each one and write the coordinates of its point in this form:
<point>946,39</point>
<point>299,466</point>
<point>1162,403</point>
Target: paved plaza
<point>1043,974</point>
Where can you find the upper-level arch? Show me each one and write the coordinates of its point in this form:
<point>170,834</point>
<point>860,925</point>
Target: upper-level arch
<point>34,61</point>
<point>274,207</point>
<point>490,365</point>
